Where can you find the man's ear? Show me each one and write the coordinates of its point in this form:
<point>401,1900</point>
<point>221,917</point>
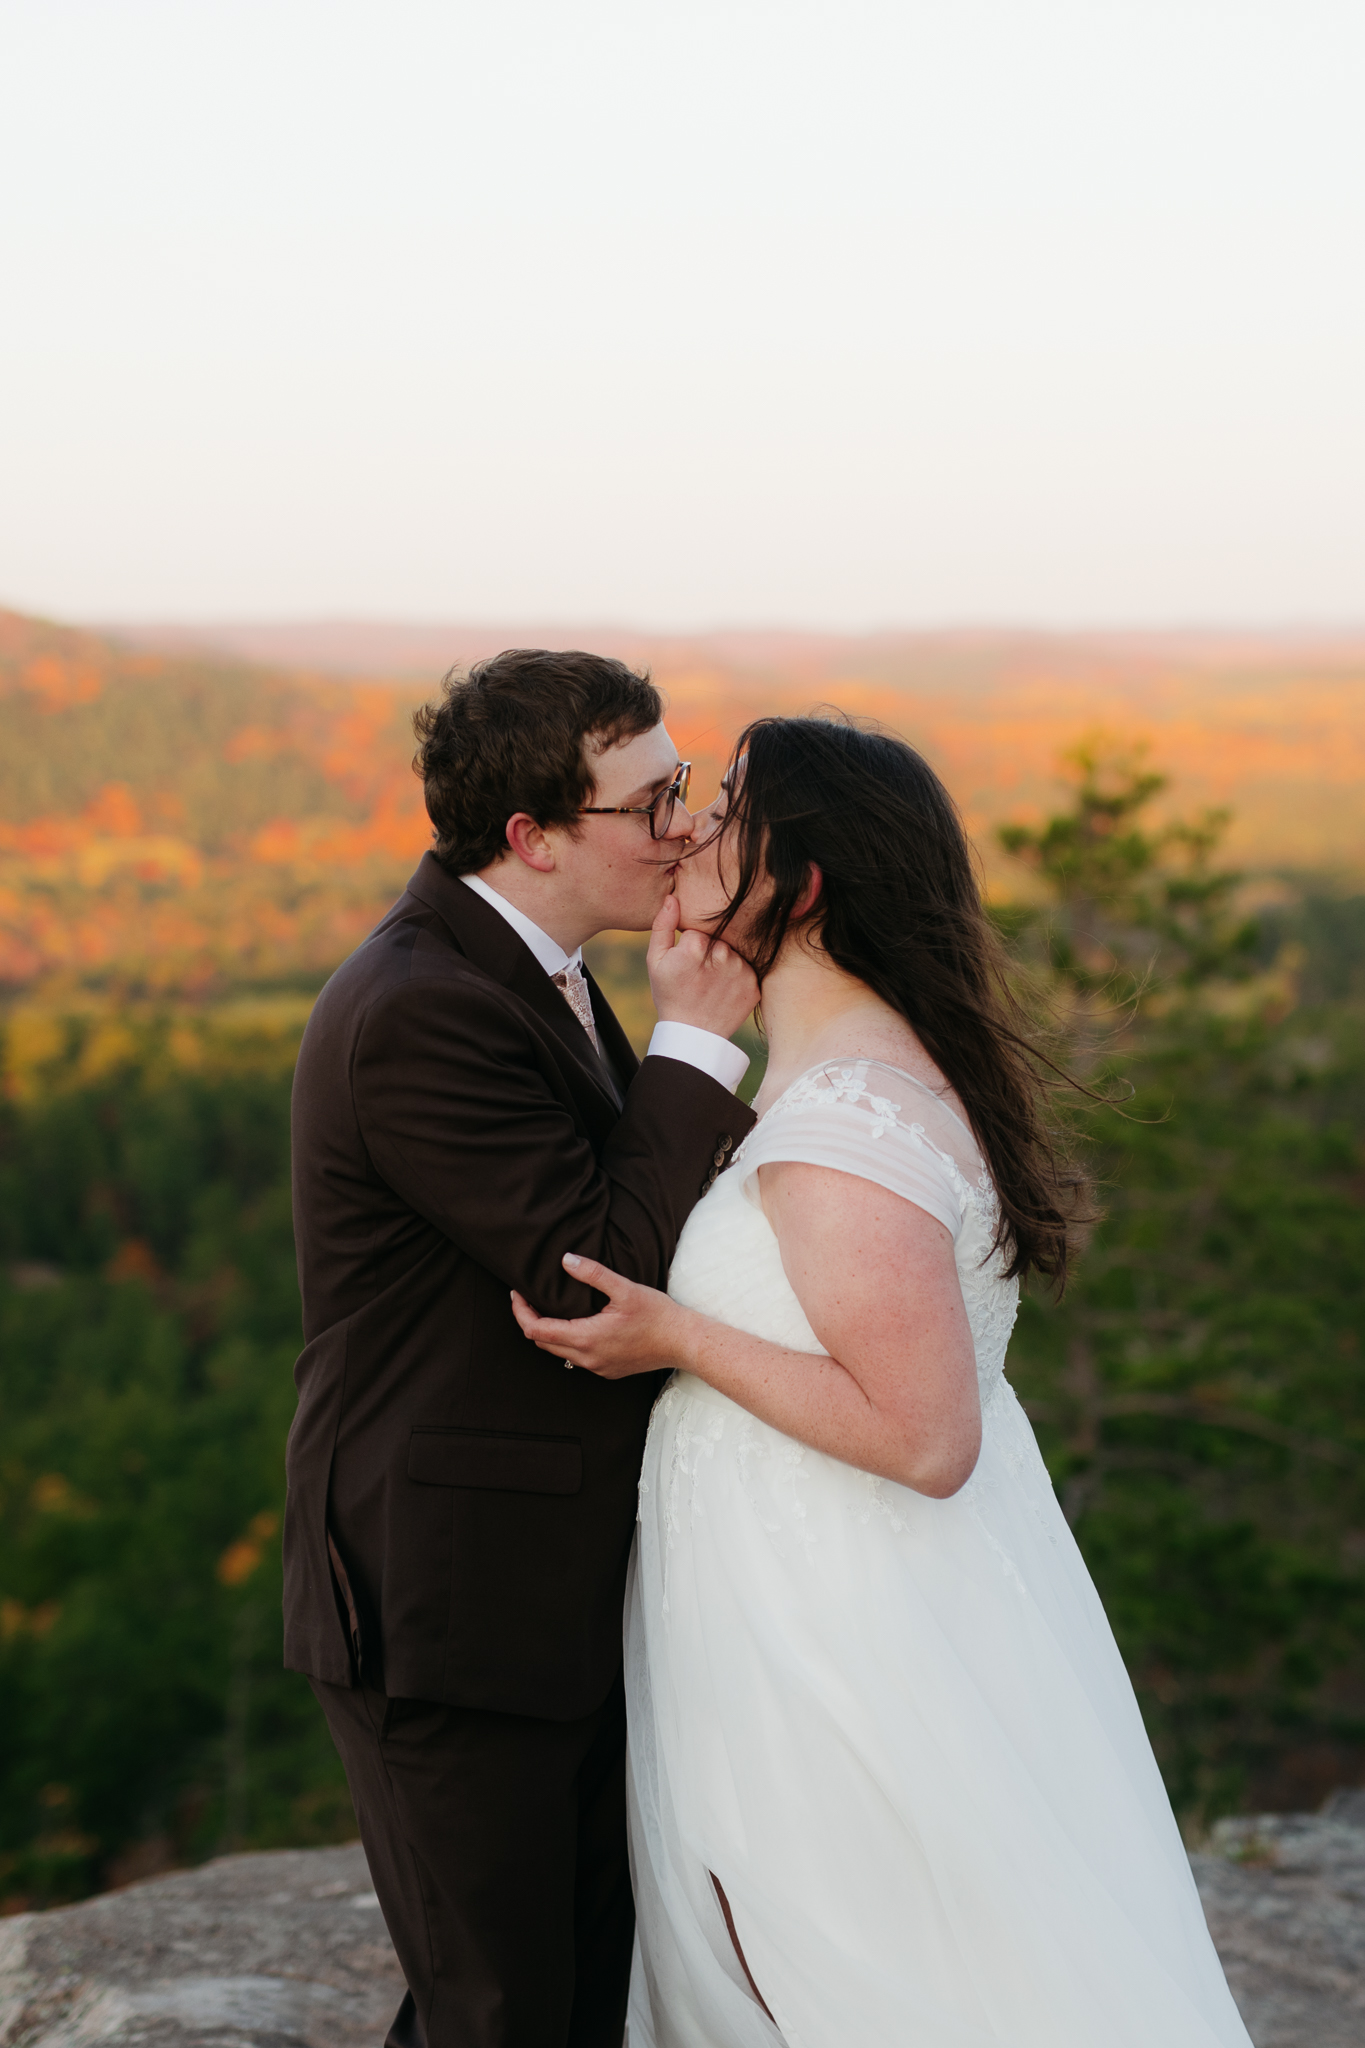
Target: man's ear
<point>530,843</point>
<point>810,895</point>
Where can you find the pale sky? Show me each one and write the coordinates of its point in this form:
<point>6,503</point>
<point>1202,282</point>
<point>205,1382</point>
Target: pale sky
<point>682,314</point>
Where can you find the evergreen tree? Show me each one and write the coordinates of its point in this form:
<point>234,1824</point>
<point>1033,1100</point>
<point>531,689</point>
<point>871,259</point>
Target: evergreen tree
<point>1200,1392</point>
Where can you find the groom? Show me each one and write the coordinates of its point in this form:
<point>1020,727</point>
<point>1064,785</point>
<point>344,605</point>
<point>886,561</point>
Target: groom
<point>466,1110</point>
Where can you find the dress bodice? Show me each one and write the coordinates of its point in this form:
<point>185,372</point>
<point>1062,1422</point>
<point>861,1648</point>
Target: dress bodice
<point>872,1120</point>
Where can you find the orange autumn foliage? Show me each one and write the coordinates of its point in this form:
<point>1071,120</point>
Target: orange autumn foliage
<point>179,821</point>
<point>59,684</point>
<point>241,1558</point>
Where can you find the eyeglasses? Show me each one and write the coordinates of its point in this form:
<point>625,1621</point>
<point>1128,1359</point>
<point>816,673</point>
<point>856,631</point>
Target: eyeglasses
<point>659,812</point>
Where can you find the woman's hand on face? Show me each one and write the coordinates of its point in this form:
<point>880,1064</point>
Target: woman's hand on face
<point>640,1330</point>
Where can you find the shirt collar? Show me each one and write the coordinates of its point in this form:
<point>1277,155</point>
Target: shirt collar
<point>551,957</point>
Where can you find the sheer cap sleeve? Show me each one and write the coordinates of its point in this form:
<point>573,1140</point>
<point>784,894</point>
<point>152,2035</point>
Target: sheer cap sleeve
<point>864,1118</point>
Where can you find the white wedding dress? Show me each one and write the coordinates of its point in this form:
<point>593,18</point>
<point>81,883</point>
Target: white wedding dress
<point>897,1729</point>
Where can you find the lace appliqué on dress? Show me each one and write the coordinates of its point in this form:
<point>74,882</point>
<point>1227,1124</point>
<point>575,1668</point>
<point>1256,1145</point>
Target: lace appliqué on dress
<point>828,1086</point>
<point>695,1436</point>
<point>698,1430</point>
<point>786,1464</point>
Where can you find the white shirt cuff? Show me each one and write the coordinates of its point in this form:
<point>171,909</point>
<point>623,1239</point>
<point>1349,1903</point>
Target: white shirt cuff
<point>707,1050</point>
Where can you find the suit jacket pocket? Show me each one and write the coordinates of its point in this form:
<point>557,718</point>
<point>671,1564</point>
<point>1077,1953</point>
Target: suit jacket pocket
<point>494,1460</point>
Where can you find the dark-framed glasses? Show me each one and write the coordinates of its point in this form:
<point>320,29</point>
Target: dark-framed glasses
<point>659,811</point>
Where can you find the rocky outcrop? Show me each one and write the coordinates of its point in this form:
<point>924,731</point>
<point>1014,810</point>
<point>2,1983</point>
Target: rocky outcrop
<point>1285,1899</point>
<point>288,1950</point>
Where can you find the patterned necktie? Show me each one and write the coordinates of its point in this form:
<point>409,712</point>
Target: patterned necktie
<point>574,989</point>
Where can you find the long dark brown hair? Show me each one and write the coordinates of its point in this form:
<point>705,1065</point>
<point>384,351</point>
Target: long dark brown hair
<point>900,909</point>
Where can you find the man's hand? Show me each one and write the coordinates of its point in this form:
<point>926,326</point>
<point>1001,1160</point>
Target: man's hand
<point>640,1330</point>
<point>694,982</point>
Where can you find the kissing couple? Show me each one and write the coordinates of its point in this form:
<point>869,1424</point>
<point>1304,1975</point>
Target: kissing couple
<point>586,1338</point>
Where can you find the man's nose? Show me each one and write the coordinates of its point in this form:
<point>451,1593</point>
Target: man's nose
<point>683,823</point>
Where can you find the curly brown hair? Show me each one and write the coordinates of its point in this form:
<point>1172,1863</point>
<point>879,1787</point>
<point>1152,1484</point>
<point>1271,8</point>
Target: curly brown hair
<point>516,733</point>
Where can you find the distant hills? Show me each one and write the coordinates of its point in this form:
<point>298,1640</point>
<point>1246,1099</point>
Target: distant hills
<point>185,822</point>
<point>1272,724</point>
<point>187,809</point>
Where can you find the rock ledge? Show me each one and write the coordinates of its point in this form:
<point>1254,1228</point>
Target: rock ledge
<point>1285,1899</point>
<point>288,1950</point>
<point>284,1950</point>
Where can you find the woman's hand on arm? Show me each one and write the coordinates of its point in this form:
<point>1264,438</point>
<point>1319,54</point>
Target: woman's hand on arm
<point>897,1394</point>
<point>639,1330</point>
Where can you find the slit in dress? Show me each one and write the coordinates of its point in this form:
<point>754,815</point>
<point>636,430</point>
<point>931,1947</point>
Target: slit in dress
<point>730,1925</point>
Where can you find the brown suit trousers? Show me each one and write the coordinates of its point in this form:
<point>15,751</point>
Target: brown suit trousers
<point>497,1846</point>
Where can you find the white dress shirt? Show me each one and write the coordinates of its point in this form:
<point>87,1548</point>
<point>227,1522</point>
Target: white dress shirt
<point>705,1050</point>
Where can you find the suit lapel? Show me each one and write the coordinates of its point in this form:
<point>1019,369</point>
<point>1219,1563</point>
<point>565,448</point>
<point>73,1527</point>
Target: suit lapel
<point>490,942</point>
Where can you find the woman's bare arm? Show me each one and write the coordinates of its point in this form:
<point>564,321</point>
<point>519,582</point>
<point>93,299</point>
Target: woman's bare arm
<point>875,1276</point>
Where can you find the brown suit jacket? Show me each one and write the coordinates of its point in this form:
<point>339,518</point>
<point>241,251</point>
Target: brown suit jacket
<point>454,1135</point>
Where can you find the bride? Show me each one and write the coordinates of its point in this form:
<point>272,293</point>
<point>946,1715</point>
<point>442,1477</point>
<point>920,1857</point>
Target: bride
<point>888,1782</point>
